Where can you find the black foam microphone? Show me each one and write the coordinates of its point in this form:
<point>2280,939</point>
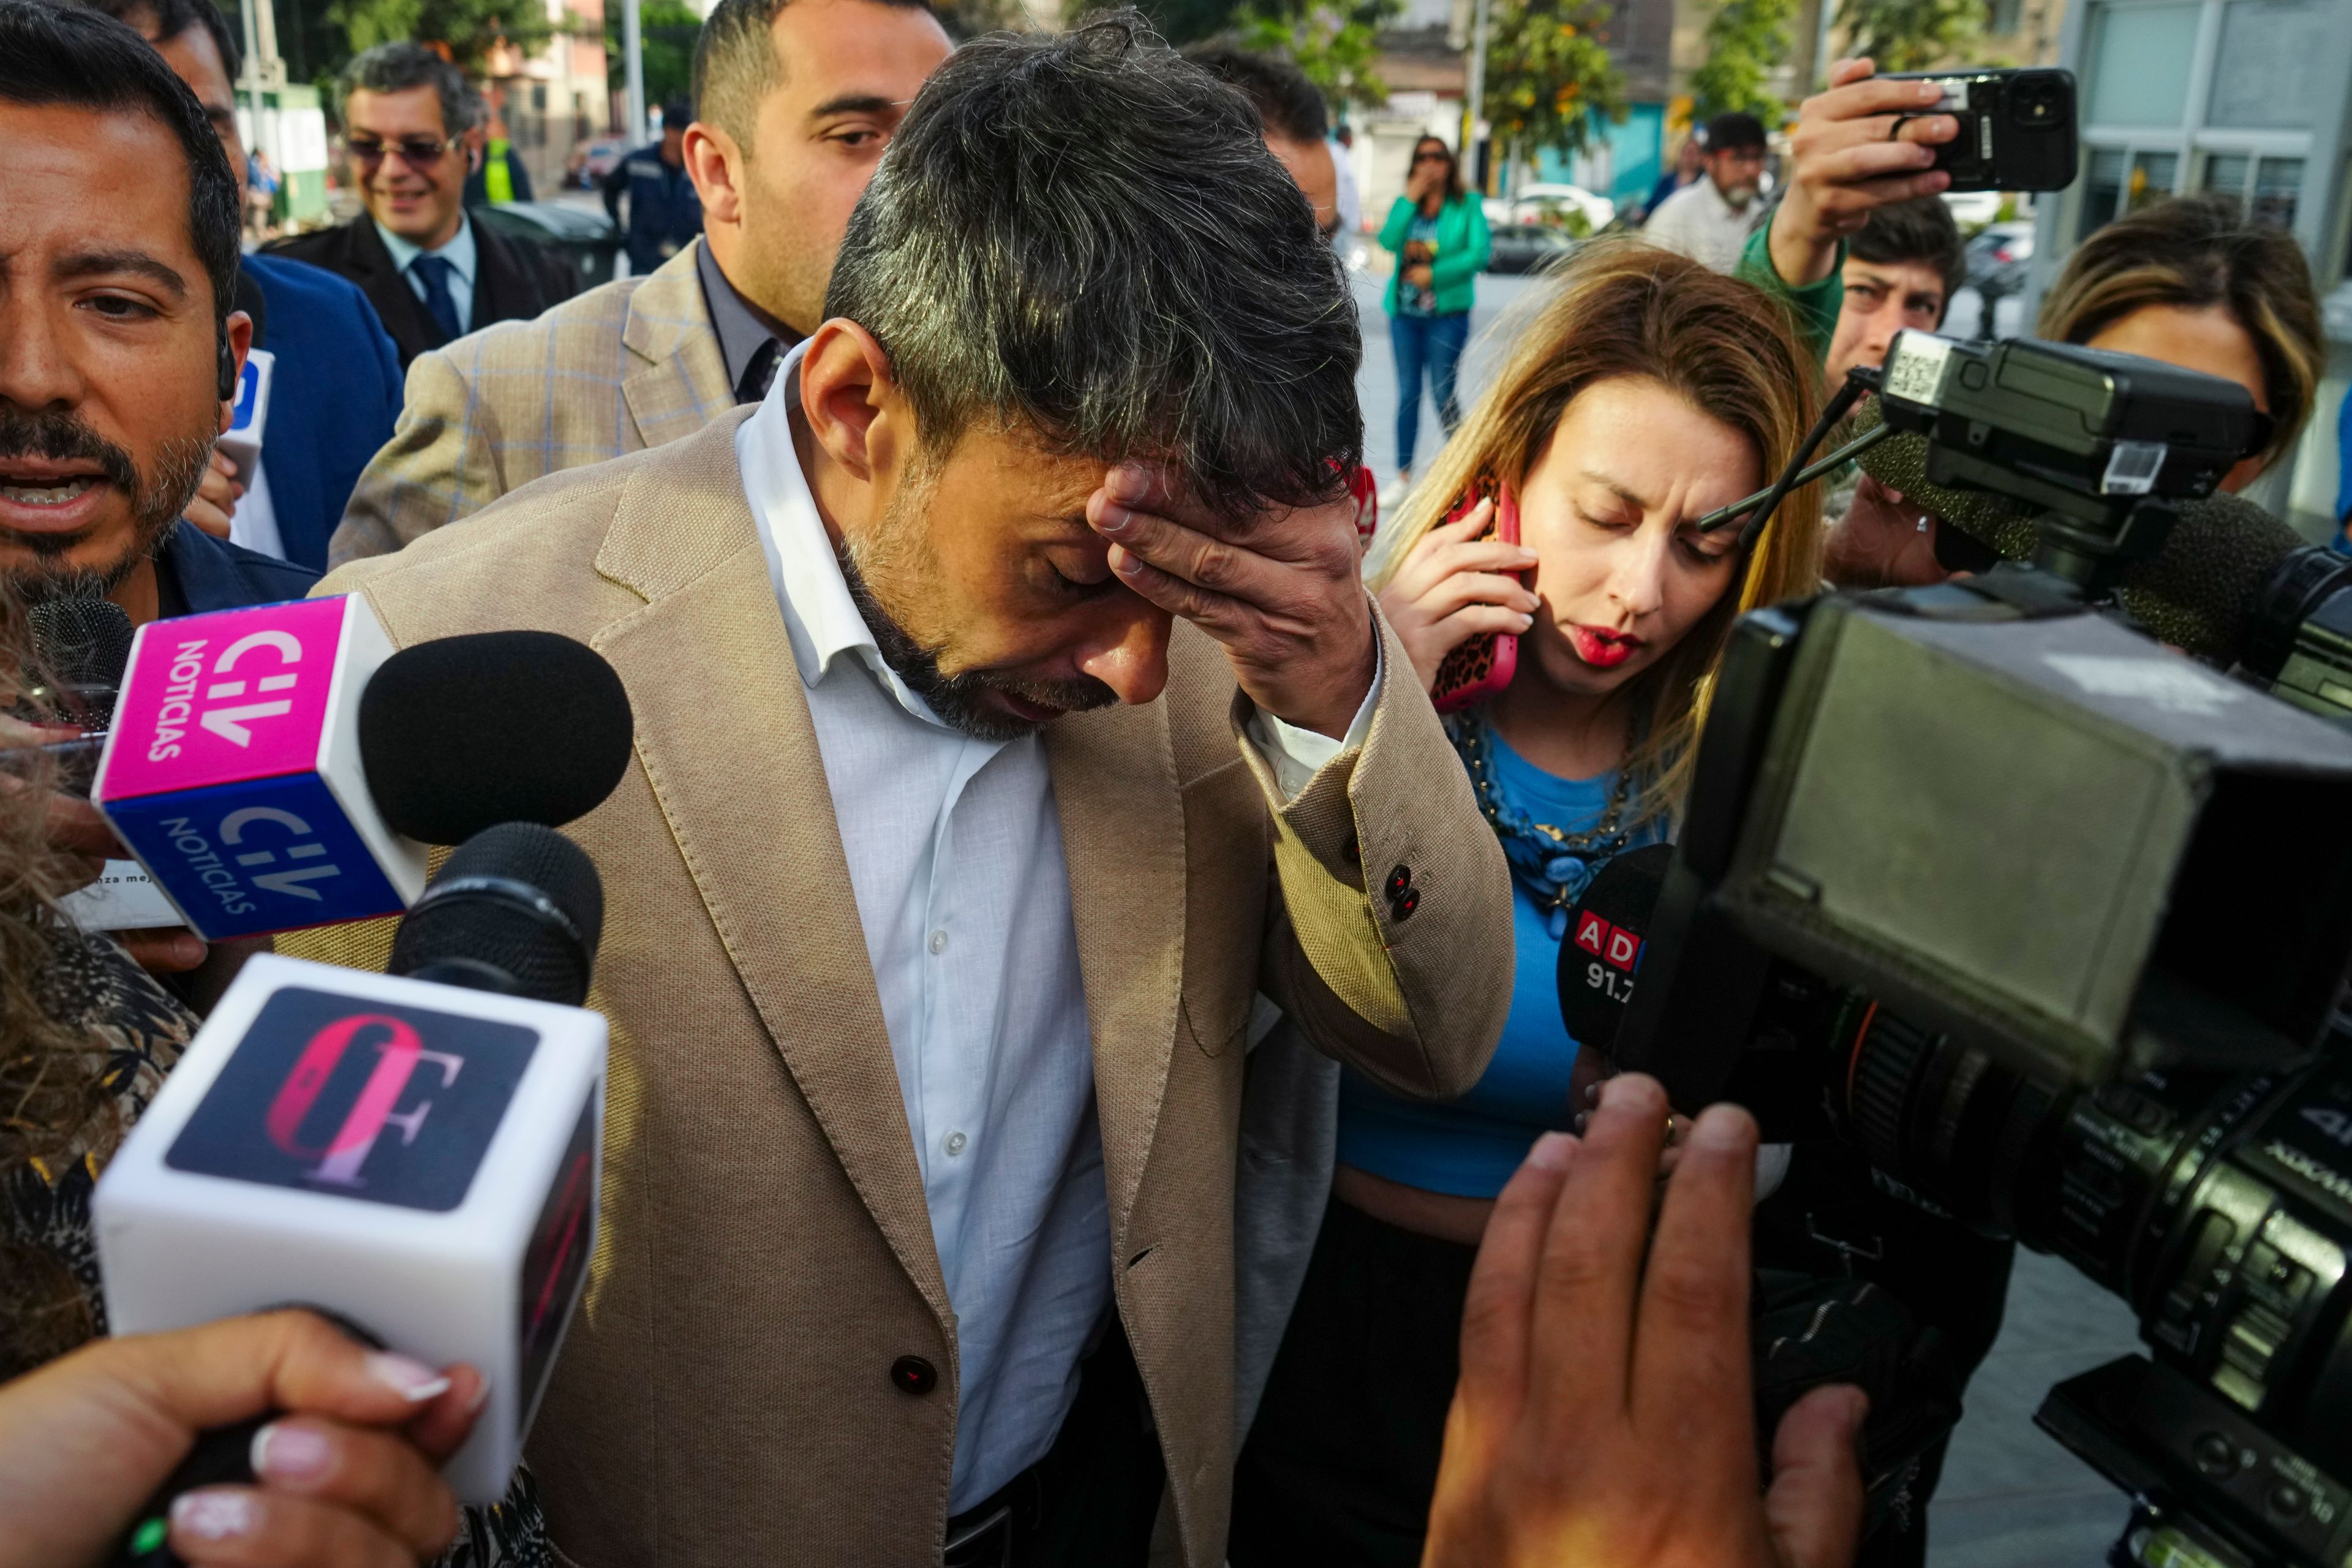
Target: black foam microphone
<point>2200,593</point>
<point>461,733</point>
<point>1601,957</point>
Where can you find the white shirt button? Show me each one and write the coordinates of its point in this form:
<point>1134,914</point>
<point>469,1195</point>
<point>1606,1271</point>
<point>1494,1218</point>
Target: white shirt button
<point>955,1142</point>
<point>939,942</point>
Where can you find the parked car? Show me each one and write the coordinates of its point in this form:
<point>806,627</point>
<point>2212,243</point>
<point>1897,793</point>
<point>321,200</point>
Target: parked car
<point>1526,246</point>
<point>583,237</point>
<point>593,159</point>
<point>1571,207</point>
<point>1998,257</point>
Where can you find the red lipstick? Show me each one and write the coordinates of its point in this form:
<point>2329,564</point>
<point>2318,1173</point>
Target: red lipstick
<point>1602,649</point>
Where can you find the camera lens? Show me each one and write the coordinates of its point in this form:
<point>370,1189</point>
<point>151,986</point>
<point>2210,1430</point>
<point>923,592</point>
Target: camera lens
<point>2037,100</point>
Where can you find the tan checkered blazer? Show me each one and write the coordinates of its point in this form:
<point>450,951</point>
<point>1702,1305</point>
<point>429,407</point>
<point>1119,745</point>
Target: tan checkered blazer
<point>632,365</point>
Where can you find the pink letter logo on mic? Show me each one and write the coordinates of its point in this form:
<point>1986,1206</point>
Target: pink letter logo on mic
<point>237,694</point>
<point>365,1099</point>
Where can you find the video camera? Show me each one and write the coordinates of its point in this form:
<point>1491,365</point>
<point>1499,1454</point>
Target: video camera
<point>2053,923</point>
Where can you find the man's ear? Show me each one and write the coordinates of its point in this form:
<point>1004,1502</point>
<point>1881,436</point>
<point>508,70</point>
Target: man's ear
<point>476,140</point>
<point>851,404</point>
<point>715,163</point>
<point>235,342</point>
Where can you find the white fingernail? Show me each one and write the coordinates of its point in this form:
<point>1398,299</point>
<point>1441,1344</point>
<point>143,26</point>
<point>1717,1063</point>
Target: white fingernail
<point>213,1516</point>
<point>417,1382</point>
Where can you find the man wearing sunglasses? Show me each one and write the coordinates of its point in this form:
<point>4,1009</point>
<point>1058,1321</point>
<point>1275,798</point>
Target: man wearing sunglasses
<point>411,126</point>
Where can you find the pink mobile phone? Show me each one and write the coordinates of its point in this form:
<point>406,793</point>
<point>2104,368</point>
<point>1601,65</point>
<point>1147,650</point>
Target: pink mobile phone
<point>1485,665</point>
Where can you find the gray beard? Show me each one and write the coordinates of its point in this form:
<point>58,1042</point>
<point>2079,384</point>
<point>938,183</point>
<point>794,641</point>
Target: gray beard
<point>156,502</point>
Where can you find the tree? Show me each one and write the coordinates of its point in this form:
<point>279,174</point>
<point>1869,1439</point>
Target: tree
<point>668,30</point>
<point>1745,40</point>
<point>1333,45</point>
<point>1910,35</point>
<point>1549,75</point>
<point>467,29</point>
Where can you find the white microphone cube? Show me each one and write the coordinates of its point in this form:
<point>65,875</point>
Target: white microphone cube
<point>417,1159</point>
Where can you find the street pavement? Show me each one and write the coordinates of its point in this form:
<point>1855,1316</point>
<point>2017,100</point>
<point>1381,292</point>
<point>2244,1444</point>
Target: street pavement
<point>2010,1496</point>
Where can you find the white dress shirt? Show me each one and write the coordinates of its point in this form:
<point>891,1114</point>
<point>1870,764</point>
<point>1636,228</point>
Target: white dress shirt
<point>1697,221</point>
<point>460,253</point>
<point>955,860</point>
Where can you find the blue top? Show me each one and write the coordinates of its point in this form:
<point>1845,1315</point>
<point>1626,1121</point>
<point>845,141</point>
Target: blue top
<point>333,402</point>
<point>1471,1146</point>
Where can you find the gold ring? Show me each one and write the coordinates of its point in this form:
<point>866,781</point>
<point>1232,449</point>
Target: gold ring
<point>1673,1129</point>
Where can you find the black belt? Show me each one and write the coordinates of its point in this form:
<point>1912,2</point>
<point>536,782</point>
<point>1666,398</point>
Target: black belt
<point>982,1536</point>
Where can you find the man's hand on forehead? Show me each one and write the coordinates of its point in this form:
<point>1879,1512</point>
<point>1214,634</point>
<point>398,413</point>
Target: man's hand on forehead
<point>1277,589</point>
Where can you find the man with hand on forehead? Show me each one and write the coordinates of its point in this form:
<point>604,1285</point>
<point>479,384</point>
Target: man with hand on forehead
<point>1009,714</point>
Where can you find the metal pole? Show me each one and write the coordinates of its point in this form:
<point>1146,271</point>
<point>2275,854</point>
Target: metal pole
<point>1473,99</point>
<point>251,76</point>
<point>633,53</point>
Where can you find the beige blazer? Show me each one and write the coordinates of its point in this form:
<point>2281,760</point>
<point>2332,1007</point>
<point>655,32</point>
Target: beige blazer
<point>766,1253</point>
<point>630,365</point>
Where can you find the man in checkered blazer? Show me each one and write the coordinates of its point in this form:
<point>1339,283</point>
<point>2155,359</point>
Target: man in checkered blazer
<point>795,102</point>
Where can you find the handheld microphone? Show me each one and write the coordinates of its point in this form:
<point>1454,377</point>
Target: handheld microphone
<point>241,442</point>
<point>1601,957</point>
<point>2200,592</point>
<point>416,1159</point>
<point>281,767</point>
<point>81,647</point>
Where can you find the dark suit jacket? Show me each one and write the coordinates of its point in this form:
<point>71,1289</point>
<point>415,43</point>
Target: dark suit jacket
<point>514,279</point>
<point>196,572</point>
<point>332,401</point>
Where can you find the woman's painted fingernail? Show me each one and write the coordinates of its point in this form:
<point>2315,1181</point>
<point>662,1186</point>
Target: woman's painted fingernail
<point>415,1382</point>
<point>1553,1151</point>
<point>481,1393</point>
<point>214,1515</point>
<point>1526,623</point>
<point>283,1453</point>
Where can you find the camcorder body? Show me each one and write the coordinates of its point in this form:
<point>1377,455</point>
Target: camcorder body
<point>2052,923</point>
<point>2017,127</point>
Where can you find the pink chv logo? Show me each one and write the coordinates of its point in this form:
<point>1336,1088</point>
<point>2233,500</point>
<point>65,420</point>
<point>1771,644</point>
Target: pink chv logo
<point>237,694</point>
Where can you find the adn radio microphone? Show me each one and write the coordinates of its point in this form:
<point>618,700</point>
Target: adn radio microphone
<point>419,1159</point>
<point>281,767</point>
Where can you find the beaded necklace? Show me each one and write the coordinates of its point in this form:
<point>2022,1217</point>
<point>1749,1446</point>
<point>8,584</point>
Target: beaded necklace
<point>1556,865</point>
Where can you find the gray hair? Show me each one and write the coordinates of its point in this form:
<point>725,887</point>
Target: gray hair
<point>397,67</point>
<point>1084,237</point>
<point>735,63</point>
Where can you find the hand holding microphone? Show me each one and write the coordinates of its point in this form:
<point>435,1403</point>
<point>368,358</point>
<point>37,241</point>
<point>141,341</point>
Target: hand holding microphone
<point>346,1476</point>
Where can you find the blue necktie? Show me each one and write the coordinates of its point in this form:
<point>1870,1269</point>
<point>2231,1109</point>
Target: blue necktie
<point>434,272</point>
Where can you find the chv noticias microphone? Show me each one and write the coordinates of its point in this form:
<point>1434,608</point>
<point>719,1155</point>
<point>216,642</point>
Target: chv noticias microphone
<point>281,767</point>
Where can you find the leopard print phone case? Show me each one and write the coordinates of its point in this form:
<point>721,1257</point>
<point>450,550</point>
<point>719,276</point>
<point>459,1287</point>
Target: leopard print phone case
<point>1485,665</point>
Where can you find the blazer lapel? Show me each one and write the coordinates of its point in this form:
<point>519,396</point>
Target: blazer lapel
<point>1115,783</point>
<point>678,381</point>
<point>748,804</point>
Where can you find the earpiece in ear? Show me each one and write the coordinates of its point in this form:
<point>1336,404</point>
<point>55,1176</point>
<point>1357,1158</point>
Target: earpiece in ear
<point>227,371</point>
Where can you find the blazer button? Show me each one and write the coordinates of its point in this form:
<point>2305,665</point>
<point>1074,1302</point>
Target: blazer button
<point>1402,907</point>
<point>1400,882</point>
<point>913,1374</point>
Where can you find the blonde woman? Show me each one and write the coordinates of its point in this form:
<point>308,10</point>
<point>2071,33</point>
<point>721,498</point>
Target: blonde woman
<point>1648,392</point>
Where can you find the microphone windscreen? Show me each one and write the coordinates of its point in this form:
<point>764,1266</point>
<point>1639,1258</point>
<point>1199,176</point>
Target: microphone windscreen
<point>1603,949</point>
<point>465,732</point>
<point>2196,593</point>
<point>479,908</point>
<point>1900,463</point>
<point>83,646</point>
<point>2200,590</point>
